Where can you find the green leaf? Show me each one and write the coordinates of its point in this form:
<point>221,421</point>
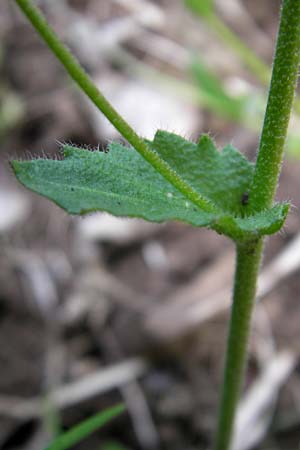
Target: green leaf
<point>84,429</point>
<point>122,183</point>
<point>222,177</point>
<point>260,223</point>
<point>201,7</point>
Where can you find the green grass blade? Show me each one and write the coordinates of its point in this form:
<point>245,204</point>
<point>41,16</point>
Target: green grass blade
<point>85,428</point>
<point>232,108</point>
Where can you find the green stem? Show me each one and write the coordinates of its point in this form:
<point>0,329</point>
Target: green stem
<point>267,169</point>
<point>279,106</point>
<point>78,74</point>
<point>247,268</point>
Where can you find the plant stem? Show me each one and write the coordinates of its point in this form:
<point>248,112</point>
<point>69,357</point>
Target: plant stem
<point>247,268</point>
<point>78,74</point>
<point>279,106</point>
<point>267,169</point>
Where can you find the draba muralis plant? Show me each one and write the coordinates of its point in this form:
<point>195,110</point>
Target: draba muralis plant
<point>170,178</point>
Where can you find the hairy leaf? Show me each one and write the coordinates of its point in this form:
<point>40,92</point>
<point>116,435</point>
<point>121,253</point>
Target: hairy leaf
<point>222,177</point>
<point>122,183</point>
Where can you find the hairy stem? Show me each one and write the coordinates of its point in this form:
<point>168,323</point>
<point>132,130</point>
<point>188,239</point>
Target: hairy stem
<point>267,170</point>
<point>279,106</point>
<point>78,74</point>
<point>247,268</point>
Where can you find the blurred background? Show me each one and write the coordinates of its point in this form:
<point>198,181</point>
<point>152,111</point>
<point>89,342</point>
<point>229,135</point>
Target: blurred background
<point>99,310</point>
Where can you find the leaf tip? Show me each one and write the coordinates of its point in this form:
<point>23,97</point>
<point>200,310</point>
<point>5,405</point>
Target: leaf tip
<point>162,135</point>
<point>285,210</point>
<point>67,150</point>
<point>16,167</point>
<point>206,143</point>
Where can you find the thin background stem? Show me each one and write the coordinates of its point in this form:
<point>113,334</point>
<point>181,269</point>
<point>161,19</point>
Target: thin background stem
<point>246,55</point>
